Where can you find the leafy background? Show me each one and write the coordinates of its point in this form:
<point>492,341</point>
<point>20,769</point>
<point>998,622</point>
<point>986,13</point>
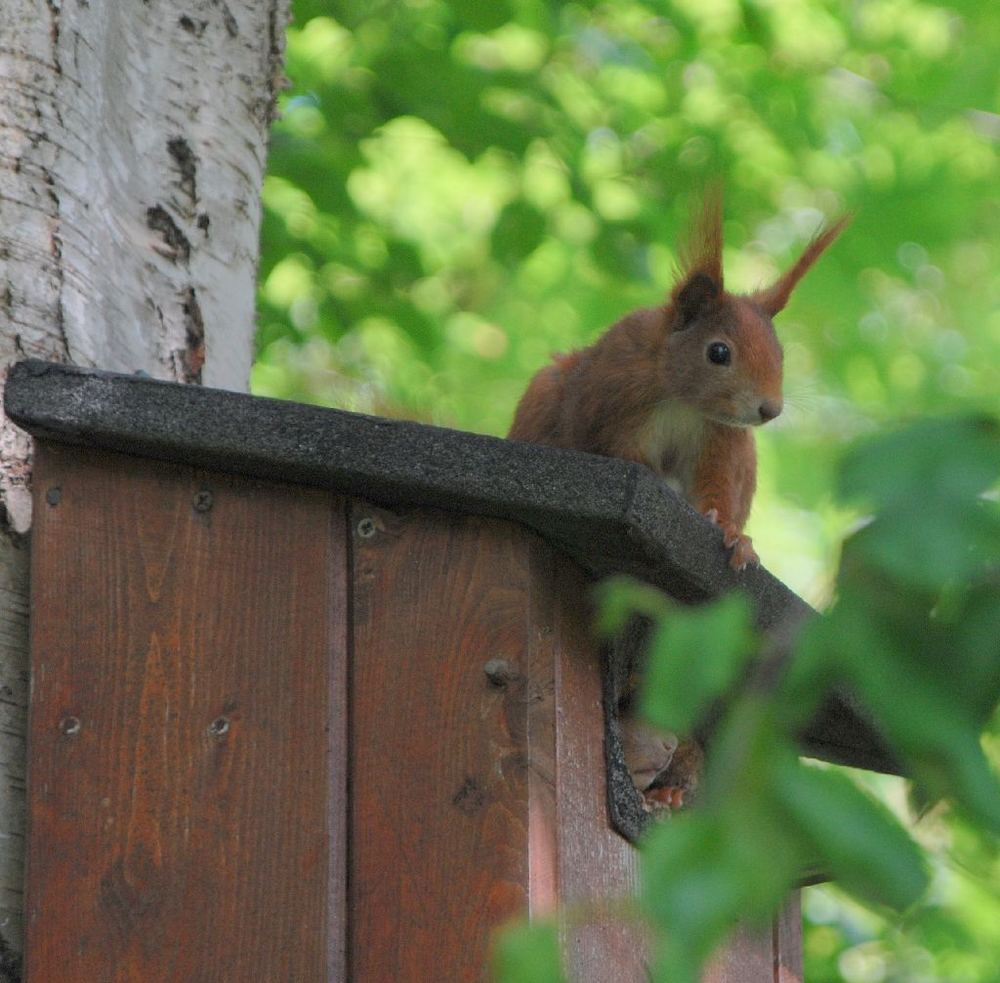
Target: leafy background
<point>457,189</point>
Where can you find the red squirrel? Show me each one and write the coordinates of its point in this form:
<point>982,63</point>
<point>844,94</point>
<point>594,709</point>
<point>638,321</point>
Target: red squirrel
<point>679,387</point>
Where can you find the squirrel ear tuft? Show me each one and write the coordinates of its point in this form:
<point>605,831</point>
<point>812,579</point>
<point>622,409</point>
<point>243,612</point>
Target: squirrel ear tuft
<point>700,278</point>
<point>774,298</point>
<point>702,251</point>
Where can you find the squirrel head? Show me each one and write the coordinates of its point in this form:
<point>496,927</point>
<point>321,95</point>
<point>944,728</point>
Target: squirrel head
<point>722,354</point>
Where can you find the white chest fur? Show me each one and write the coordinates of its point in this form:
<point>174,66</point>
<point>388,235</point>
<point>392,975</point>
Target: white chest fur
<point>671,441</point>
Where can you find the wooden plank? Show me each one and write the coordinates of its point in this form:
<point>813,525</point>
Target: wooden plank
<point>474,802</point>
<point>596,866</point>
<point>788,942</point>
<point>183,822</point>
<point>771,955</point>
<point>439,772</point>
<point>747,957</point>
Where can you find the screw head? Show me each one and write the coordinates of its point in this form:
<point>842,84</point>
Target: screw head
<point>54,495</point>
<point>367,527</point>
<point>202,501</point>
<point>70,726</point>
<point>219,726</point>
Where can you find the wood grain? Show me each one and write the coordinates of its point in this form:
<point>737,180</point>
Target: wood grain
<point>748,957</point>
<point>212,675</point>
<point>472,802</point>
<point>788,942</point>
<point>769,955</point>
<point>596,867</point>
<point>439,773</point>
<point>183,821</point>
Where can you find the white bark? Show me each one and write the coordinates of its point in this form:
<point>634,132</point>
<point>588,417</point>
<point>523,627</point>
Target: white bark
<point>133,137</point>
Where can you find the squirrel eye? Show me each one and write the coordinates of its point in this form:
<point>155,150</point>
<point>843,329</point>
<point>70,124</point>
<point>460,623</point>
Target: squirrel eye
<point>718,353</point>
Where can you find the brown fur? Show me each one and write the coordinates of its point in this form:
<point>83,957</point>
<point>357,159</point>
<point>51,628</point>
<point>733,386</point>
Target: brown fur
<point>646,391</point>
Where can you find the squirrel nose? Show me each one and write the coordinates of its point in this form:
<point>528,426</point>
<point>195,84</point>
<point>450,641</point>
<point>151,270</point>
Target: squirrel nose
<point>769,409</point>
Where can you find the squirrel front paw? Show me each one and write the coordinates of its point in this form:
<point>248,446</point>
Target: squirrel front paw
<point>743,554</point>
<point>677,785</point>
<point>664,770</point>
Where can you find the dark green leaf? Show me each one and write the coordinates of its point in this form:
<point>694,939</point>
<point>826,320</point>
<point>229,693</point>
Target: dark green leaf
<point>950,460</point>
<point>864,847</point>
<point>518,232</point>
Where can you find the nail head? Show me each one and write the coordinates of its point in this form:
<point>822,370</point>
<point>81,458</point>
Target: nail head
<point>499,672</point>
<point>202,500</point>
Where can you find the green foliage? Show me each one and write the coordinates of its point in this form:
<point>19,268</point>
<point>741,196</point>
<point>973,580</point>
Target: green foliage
<point>528,953</point>
<point>679,689</point>
<point>457,189</point>
<point>893,639</point>
<point>854,837</point>
<point>924,469</point>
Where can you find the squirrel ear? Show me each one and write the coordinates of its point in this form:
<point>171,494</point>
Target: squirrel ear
<point>701,259</point>
<point>775,297</point>
<point>691,296</point>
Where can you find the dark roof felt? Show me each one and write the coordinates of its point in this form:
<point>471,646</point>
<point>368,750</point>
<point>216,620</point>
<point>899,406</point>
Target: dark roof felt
<point>611,516</point>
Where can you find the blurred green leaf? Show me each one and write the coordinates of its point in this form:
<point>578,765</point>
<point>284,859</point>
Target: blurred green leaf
<point>942,542</point>
<point>518,232</point>
<point>926,481</point>
<point>528,953</point>
<point>687,887</point>
<point>479,16</point>
<point>865,848</point>
<point>619,598</point>
<point>696,656</point>
<point>953,460</point>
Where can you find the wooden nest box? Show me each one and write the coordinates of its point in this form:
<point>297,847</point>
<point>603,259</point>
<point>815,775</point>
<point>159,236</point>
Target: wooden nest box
<point>314,695</point>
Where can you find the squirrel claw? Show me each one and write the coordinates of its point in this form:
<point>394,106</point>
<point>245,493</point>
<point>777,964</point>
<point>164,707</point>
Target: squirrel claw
<point>668,797</point>
<point>743,554</point>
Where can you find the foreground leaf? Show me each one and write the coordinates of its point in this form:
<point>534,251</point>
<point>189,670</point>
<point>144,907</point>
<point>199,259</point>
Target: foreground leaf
<point>696,657</point>
<point>863,846</point>
<point>528,953</point>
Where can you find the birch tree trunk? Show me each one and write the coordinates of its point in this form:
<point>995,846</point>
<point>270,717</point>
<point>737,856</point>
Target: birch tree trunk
<point>133,136</point>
